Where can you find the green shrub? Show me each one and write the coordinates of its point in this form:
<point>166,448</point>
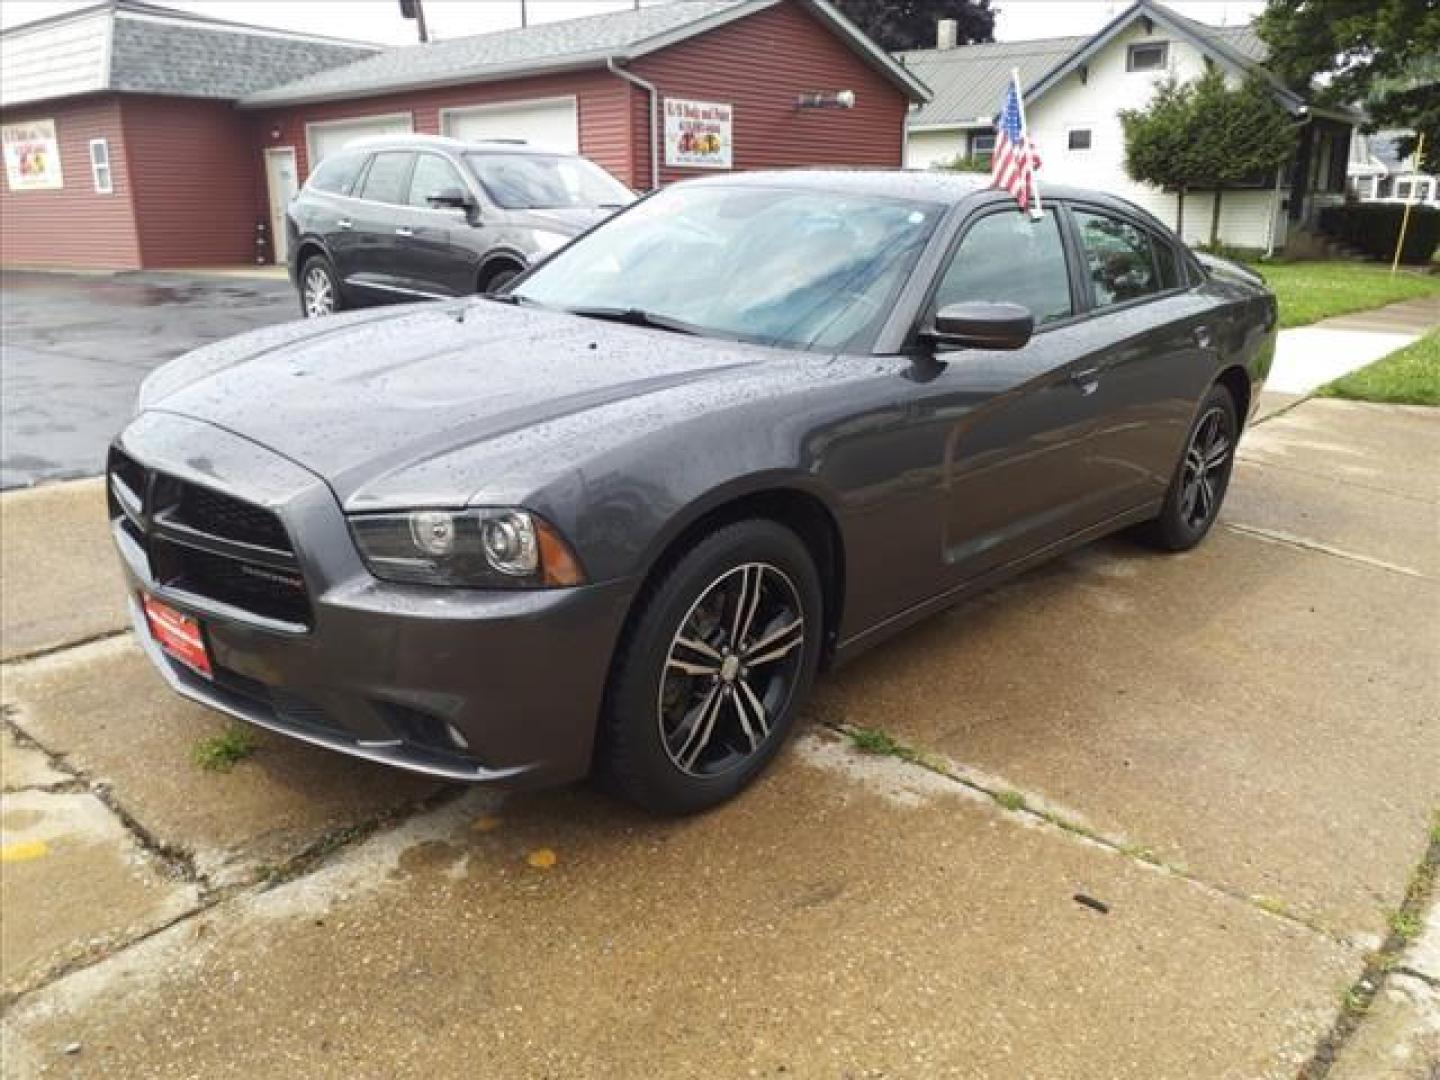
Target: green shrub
<point>1374,228</point>
<point>965,164</point>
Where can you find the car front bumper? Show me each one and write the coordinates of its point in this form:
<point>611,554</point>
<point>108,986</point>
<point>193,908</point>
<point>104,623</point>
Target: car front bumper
<point>483,686</point>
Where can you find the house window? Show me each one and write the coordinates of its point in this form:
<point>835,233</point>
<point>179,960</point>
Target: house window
<point>982,144</point>
<point>1402,189</point>
<point>100,166</point>
<point>1147,56</point>
<point>1078,139</point>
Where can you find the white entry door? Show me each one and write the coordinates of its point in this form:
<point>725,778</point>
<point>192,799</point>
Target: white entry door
<point>282,178</point>
<point>551,124</point>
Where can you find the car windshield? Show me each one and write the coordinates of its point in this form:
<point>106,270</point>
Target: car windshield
<point>546,182</point>
<point>798,267</point>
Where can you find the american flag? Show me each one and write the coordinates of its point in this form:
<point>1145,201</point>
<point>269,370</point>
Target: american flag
<point>1016,159</point>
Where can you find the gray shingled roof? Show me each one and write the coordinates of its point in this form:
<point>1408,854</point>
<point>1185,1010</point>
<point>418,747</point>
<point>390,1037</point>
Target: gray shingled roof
<point>152,57</point>
<point>573,42</point>
<point>968,82</point>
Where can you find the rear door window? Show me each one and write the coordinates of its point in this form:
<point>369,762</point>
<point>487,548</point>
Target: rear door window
<point>1119,258</point>
<point>388,178</point>
<point>1007,256</point>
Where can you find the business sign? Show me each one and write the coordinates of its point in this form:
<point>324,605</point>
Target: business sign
<point>32,156</point>
<point>698,134</point>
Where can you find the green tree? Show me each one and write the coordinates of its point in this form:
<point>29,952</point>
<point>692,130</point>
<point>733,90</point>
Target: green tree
<point>1379,52</point>
<point>896,25</point>
<point>1207,135</point>
<point>1156,141</point>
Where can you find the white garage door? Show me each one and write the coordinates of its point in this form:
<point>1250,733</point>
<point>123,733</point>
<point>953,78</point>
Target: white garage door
<point>547,125</point>
<point>328,136</point>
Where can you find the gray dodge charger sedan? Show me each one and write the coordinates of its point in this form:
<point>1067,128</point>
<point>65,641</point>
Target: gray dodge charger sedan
<point>617,517</point>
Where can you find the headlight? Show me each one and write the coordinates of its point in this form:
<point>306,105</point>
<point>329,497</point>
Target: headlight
<point>477,549</point>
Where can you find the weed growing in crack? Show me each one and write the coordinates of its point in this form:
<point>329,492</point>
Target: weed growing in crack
<point>1011,800</point>
<point>875,741</point>
<point>220,753</point>
<point>1405,925</point>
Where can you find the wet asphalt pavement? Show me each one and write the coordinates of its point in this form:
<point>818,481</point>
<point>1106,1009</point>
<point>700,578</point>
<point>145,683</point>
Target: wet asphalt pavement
<point>74,349</point>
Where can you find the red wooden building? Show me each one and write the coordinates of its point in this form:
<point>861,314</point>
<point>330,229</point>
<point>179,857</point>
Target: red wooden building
<point>139,136</point>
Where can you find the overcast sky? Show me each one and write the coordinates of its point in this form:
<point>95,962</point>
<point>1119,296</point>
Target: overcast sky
<point>380,21</point>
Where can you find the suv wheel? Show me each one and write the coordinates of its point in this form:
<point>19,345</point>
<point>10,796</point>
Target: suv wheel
<point>319,288</point>
<point>500,277</point>
<point>709,681</point>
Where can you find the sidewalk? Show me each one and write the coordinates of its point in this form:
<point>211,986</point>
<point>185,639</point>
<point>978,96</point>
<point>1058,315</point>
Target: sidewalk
<point>1308,357</point>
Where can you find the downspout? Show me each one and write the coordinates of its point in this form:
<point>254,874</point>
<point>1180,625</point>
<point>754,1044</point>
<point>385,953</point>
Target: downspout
<point>1274,213</point>
<point>654,92</point>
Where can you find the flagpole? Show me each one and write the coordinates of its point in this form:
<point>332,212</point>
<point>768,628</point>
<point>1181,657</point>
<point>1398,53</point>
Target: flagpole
<point>1038,211</point>
<point>1419,160</point>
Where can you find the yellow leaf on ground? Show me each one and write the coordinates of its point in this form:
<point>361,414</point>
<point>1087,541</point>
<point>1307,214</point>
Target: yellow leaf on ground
<point>26,849</point>
<point>541,858</point>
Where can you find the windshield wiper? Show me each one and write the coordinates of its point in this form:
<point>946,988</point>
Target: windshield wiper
<point>637,317</point>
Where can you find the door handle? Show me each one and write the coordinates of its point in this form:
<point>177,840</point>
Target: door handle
<point>1203,337</point>
<point>403,231</point>
<point>345,223</point>
<point>1087,379</point>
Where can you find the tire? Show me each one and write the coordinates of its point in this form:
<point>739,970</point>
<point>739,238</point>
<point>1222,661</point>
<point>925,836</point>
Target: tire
<point>317,273</point>
<point>1194,498</point>
<point>688,723</point>
<point>499,278</point>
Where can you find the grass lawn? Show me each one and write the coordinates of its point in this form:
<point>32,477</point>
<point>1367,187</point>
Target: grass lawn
<point>1308,291</point>
<point>1408,377</point>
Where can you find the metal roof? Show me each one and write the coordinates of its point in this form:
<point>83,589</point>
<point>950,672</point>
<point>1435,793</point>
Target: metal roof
<point>133,47</point>
<point>968,81</point>
<point>556,46</point>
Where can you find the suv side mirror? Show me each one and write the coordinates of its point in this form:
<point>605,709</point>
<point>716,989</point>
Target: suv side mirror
<point>982,324</point>
<point>453,198</point>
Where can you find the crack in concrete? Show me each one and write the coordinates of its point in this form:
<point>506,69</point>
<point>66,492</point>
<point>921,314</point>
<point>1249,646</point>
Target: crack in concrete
<point>180,863</point>
<point>1016,802</point>
<point>1290,540</point>
<point>54,650</point>
<point>1382,964</point>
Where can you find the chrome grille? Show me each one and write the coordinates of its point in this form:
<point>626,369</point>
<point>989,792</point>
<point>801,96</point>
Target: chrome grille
<point>208,544</point>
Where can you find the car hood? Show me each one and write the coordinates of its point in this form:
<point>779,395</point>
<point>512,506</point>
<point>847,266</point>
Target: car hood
<point>357,401</point>
<point>570,220</point>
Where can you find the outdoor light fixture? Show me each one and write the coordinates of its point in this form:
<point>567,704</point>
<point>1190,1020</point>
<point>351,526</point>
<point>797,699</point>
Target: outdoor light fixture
<point>837,99</point>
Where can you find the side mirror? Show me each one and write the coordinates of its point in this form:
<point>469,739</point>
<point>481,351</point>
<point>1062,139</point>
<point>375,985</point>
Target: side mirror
<point>453,198</point>
<point>981,324</point>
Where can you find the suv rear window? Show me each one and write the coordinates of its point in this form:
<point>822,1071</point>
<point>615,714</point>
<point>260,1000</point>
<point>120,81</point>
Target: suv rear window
<point>336,175</point>
<point>388,178</point>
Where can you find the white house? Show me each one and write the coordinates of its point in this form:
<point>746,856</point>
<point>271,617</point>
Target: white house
<point>1075,88</point>
<point>1378,173</point>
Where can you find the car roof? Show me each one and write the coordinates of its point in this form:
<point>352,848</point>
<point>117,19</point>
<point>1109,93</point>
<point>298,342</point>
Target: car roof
<point>444,142</point>
<point>930,185</point>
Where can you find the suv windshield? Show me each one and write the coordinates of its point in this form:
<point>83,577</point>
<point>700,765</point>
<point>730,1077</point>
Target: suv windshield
<point>546,182</point>
<point>796,267</point>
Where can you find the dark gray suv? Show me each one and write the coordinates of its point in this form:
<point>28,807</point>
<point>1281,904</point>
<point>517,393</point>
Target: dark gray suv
<point>413,217</point>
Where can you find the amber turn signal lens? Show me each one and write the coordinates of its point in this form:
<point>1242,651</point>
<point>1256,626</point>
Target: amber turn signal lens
<point>558,565</point>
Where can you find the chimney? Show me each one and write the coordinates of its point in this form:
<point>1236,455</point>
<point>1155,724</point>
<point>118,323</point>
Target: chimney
<point>947,34</point>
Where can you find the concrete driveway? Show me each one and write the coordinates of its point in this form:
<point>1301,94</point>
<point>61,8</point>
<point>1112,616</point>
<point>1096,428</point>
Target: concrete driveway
<point>1143,817</point>
<point>74,349</point>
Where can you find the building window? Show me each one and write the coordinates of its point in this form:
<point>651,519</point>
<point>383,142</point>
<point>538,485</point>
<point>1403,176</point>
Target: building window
<point>100,166</point>
<point>1147,56</point>
<point>1402,189</point>
<point>982,144</point>
<point>1078,139</point>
